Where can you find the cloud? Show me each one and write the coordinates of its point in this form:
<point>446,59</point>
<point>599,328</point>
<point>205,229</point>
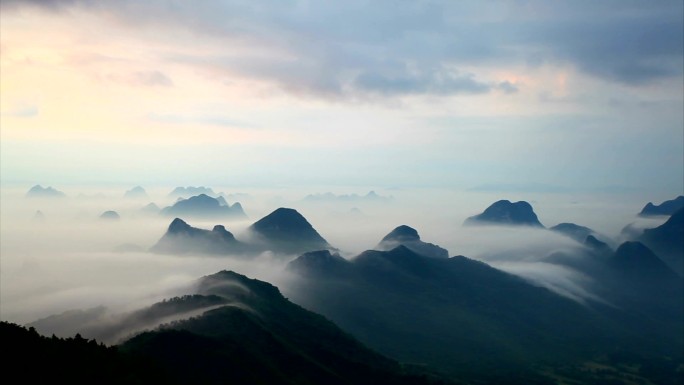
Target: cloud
<point>629,51</point>
<point>507,87</point>
<point>354,48</point>
<point>211,120</point>
<point>143,79</point>
<point>439,82</point>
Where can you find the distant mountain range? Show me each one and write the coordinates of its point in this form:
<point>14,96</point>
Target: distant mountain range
<point>371,196</point>
<point>39,191</point>
<point>204,207</point>
<point>182,192</point>
<point>136,192</point>
<point>284,231</point>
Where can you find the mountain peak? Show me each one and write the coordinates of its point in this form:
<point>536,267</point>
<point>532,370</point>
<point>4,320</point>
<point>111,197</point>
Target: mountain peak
<point>136,192</point>
<point>666,208</point>
<point>320,261</point>
<point>402,233</point>
<point>178,226</point>
<point>505,212</point>
<point>637,259</point>
<point>202,206</point>
<point>39,191</point>
<point>286,230</point>
<point>408,237</point>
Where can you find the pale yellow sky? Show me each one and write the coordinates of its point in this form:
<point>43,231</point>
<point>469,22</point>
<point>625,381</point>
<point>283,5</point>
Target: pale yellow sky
<point>283,92</point>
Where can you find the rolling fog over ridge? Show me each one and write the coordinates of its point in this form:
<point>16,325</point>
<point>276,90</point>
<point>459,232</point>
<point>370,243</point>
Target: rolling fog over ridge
<point>67,260</point>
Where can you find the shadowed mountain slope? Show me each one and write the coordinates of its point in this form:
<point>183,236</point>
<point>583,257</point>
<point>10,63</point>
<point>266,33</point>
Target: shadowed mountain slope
<point>468,319</point>
<point>667,241</point>
<point>665,208</point>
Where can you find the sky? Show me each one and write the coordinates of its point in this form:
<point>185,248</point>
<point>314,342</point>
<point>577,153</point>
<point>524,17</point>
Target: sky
<point>500,95</point>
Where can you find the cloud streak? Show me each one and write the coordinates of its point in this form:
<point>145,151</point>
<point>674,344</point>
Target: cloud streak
<point>352,49</point>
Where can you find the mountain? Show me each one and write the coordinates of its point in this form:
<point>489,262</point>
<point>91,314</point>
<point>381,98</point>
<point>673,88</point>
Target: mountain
<point>287,231</point>
<point>667,240</point>
<point>584,235</point>
<point>479,324</point>
<point>321,262</point>
<point>284,231</point>
<point>245,332</point>
<point>39,191</point>
<point>35,359</point>
<point>639,262</point>
<point>136,192</point>
<point>665,208</point>
<point>259,337</point>
<point>181,238</point>
<point>505,212</point>
<point>110,216</point>
<point>182,192</point>
<point>150,208</point>
<point>407,236</point>
<point>576,232</point>
<point>597,245</point>
<point>203,206</point>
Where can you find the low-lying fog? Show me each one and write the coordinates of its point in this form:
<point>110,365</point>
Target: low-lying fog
<point>72,259</point>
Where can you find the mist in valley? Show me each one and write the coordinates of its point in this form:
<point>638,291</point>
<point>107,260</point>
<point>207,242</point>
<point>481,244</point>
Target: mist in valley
<point>70,258</point>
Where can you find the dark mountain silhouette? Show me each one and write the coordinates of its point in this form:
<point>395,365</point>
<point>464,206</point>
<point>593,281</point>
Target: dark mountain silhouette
<point>637,260</point>
<point>584,235</point>
<point>284,231</point>
<point>181,238</point>
<point>136,192</point>
<point>222,201</point>
<point>249,334</point>
<point>182,192</point>
<point>407,236</point>
<point>203,206</point>
<point>110,216</point>
<point>319,262</point>
<point>504,212</point>
<point>34,359</point>
<point>478,323</point>
<point>665,208</point>
<point>667,240</point>
<point>259,337</point>
<point>98,323</point>
<point>638,280</point>
<point>39,191</point>
<point>596,245</point>
<point>287,231</point>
